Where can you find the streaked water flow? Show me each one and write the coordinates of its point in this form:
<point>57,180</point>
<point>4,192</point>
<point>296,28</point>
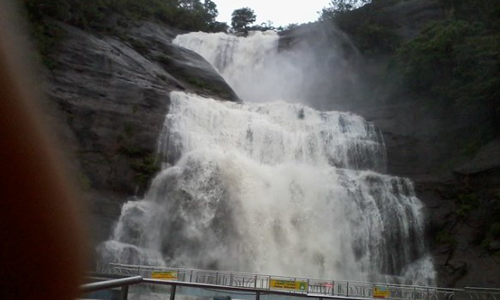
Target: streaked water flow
<point>271,187</point>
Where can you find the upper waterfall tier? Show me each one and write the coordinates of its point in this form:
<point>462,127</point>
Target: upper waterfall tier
<point>252,66</point>
<point>272,133</point>
<point>227,53</point>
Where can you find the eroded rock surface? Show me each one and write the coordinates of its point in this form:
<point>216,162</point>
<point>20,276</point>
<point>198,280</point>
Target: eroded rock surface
<point>111,95</point>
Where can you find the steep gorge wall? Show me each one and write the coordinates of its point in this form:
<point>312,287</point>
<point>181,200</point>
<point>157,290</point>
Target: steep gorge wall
<point>111,93</point>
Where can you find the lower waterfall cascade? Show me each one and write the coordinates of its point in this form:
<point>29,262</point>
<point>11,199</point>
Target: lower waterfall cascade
<point>271,186</point>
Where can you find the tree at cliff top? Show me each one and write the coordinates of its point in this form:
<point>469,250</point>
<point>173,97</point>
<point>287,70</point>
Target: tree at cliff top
<point>241,18</point>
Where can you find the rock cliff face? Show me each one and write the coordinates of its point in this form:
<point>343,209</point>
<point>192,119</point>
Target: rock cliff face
<point>111,95</point>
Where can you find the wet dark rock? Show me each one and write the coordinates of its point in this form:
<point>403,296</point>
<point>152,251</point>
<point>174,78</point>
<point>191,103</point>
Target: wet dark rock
<point>111,94</point>
<point>484,167</point>
<point>460,233</point>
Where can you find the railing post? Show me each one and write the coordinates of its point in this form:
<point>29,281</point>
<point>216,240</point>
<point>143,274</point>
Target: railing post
<point>333,287</point>
<point>231,279</point>
<point>347,290</point>
<point>255,283</point>
<point>124,292</point>
<point>172,291</point>
<point>191,276</point>
<point>308,287</point>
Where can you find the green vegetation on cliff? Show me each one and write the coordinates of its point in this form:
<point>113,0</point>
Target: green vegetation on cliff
<point>190,15</point>
<point>456,61</point>
<point>451,62</point>
<point>369,26</point>
<point>183,14</point>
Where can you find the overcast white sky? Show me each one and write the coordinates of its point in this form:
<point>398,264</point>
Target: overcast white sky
<point>280,12</point>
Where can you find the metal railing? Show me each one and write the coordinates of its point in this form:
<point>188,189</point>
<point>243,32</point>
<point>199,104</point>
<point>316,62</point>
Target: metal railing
<point>319,288</point>
<point>476,293</point>
<point>267,284</point>
<point>108,284</point>
<point>113,283</point>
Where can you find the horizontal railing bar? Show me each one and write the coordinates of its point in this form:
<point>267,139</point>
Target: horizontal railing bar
<point>481,289</point>
<point>245,289</point>
<point>95,286</point>
<point>104,278</point>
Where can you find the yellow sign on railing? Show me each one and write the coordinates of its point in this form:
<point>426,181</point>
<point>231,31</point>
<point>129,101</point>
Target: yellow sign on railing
<point>381,292</point>
<point>290,285</point>
<point>171,275</point>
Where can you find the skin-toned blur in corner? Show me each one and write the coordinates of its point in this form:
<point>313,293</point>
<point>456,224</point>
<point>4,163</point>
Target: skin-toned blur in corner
<point>41,232</point>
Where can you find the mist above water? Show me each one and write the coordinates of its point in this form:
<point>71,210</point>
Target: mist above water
<point>313,71</point>
<point>272,187</point>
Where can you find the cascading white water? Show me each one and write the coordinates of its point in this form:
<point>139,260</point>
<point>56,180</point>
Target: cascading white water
<point>252,66</point>
<point>274,188</point>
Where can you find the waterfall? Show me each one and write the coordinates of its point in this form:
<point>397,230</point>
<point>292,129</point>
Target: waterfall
<point>252,66</point>
<point>274,187</point>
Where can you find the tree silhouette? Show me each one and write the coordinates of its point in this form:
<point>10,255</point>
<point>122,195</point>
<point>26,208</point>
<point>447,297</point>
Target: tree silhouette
<point>241,18</point>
